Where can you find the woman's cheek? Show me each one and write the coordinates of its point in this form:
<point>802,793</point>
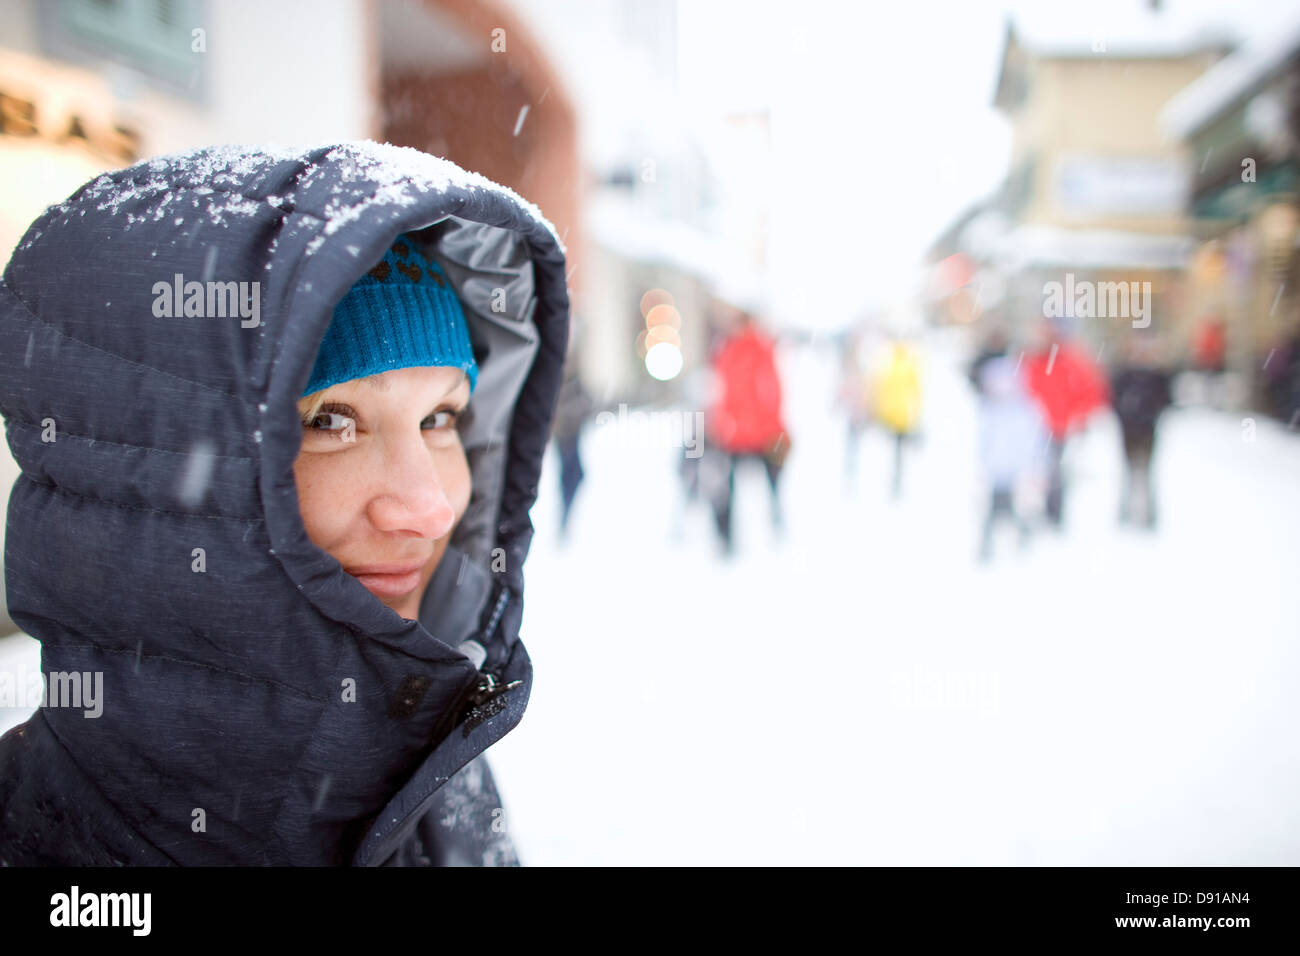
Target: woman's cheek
<point>321,496</point>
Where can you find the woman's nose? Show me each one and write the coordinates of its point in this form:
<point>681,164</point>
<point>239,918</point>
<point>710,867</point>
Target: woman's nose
<point>411,494</point>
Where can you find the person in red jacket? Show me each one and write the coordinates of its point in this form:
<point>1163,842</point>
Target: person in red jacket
<point>1211,356</point>
<point>744,420</point>
<point>1068,387</point>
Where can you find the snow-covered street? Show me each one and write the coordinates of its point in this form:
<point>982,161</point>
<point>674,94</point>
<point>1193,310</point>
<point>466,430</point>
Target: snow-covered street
<point>865,692</point>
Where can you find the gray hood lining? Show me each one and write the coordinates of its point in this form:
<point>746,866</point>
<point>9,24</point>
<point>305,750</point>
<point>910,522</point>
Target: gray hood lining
<point>492,274</point>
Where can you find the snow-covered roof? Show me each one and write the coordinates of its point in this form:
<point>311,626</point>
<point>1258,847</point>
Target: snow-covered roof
<point>1137,33</point>
<point>1231,80</point>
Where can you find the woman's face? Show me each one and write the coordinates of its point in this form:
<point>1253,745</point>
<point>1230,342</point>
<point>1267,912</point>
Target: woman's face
<point>382,477</point>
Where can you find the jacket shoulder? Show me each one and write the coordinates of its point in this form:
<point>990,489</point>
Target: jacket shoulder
<point>51,812</point>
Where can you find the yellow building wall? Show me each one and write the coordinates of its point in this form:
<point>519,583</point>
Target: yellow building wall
<point>1105,108</point>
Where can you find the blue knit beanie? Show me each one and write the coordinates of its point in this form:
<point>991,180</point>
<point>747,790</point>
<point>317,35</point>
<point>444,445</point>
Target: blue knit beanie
<point>402,313</point>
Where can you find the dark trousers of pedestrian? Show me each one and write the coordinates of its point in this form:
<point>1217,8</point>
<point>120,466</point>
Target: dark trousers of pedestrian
<point>571,475</point>
<point>1137,502</point>
<point>1212,383</point>
<point>689,469</point>
<point>896,488</point>
<point>1055,502</point>
<point>725,495</point>
<point>1001,506</point>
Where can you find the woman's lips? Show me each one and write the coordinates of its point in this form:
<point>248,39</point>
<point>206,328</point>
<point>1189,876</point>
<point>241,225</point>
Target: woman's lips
<point>388,580</point>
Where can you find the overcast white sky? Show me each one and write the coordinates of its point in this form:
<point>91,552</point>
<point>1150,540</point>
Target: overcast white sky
<point>882,120</point>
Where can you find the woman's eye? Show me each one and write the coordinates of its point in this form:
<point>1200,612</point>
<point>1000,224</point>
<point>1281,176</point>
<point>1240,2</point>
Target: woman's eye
<point>331,423</point>
<point>443,418</point>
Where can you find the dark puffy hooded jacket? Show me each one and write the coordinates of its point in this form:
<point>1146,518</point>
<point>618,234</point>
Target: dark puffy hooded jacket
<point>258,704</point>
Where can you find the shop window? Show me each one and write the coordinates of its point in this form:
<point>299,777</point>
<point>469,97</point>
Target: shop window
<point>155,37</point>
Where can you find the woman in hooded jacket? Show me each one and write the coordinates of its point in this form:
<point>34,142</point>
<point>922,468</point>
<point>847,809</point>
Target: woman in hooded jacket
<point>280,417</point>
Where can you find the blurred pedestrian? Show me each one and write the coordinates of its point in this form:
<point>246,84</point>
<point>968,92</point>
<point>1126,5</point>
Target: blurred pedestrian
<point>573,408</point>
<point>696,389</point>
<point>853,399</point>
<point>745,422</point>
<point>1209,356</point>
<point>1140,392</point>
<point>897,401</point>
<point>1281,378</point>
<point>1011,443</point>
<point>1068,387</point>
<point>992,347</point>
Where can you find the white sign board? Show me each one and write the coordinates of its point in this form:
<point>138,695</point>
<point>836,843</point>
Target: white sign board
<point>1122,186</point>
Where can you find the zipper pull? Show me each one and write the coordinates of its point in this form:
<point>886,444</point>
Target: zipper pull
<point>486,700</point>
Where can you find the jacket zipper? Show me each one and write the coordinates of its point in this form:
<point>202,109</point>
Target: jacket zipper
<point>478,684</point>
<point>484,700</point>
<point>485,686</point>
<point>481,698</point>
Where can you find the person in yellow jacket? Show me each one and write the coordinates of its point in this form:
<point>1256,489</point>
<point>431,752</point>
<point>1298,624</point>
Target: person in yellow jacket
<point>897,400</point>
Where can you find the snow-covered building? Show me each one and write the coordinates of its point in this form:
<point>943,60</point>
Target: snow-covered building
<point>1095,189</point>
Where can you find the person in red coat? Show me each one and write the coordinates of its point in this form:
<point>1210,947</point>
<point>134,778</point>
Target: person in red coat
<point>1211,356</point>
<point>744,419</point>
<point>1068,387</point>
